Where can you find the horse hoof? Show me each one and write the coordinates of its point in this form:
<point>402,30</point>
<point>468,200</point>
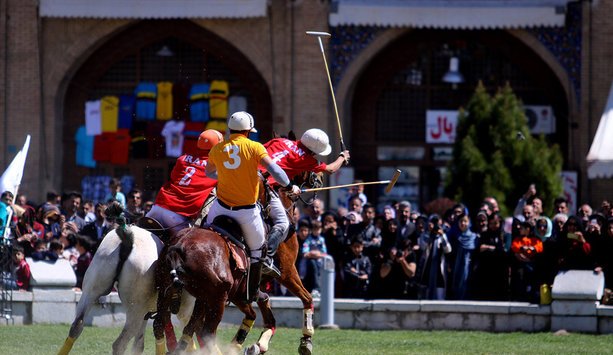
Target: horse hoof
<point>252,350</point>
<point>306,346</point>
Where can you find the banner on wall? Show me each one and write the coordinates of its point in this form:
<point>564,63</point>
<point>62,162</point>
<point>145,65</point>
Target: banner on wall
<point>441,126</point>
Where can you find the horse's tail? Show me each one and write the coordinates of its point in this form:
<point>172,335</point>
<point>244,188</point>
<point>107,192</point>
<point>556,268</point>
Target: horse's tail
<point>124,232</point>
<point>176,258</point>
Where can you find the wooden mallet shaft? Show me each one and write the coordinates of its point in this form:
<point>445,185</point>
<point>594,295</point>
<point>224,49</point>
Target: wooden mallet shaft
<point>390,184</point>
<point>319,35</point>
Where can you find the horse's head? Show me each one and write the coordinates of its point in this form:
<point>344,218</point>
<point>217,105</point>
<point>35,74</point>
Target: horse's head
<point>306,180</point>
<point>309,180</point>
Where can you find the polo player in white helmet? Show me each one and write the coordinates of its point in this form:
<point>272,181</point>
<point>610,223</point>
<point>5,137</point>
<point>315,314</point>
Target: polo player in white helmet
<point>295,158</point>
<point>236,163</point>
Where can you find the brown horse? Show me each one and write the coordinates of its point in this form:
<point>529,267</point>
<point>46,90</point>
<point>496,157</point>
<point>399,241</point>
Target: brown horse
<point>202,262</point>
<point>232,288</point>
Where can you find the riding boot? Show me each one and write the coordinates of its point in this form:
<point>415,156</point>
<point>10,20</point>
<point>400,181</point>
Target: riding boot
<point>255,275</point>
<point>275,237</point>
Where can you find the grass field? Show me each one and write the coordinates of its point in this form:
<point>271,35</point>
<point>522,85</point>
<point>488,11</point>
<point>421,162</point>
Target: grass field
<point>47,339</point>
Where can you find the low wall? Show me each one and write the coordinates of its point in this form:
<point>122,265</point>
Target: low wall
<point>57,306</point>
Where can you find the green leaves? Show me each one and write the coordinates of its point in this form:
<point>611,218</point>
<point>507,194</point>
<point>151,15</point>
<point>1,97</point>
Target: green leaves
<point>495,154</point>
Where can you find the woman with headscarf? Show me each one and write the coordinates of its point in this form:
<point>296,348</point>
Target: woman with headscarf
<point>546,262</point>
<point>432,266</point>
<point>466,242</point>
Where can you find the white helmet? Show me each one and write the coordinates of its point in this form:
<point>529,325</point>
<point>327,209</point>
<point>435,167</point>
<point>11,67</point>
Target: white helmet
<point>317,141</point>
<point>241,121</point>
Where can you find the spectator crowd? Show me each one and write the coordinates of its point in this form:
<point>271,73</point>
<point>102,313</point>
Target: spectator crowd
<point>63,227</point>
<point>394,252</point>
<point>398,253</point>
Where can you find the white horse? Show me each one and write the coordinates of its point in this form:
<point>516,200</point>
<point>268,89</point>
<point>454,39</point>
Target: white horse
<point>130,259</point>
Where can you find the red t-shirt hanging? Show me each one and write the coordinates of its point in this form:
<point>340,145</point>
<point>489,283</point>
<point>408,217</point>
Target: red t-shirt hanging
<point>103,144</point>
<point>292,157</point>
<point>187,188</point>
<point>121,147</point>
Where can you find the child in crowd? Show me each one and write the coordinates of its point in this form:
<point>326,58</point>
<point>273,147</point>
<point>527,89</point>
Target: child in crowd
<point>357,271</point>
<point>56,248</point>
<point>303,230</point>
<point>525,248</point>
<point>116,193</point>
<point>21,272</point>
<point>83,246</point>
<point>41,252</point>
<point>313,250</point>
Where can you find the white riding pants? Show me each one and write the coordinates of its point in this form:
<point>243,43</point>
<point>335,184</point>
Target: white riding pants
<point>251,224</point>
<point>168,219</point>
<point>277,213</point>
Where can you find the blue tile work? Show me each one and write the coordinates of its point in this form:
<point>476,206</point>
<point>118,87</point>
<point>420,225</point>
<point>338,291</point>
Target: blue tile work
<point>346,43</point>
<point>563,42</point>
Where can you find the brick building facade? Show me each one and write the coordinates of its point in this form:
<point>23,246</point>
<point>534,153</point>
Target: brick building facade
<point>51,64</point>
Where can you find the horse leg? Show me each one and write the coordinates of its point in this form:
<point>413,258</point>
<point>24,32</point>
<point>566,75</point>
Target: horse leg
<point>195,322</point>
<point>134,323</point>
<point>184,314</point>
<point>213,314</point>
<point>161,323</point>
<point>291,280</point>
<point>77,325</point>
<point>97,283</point>
<point>246,325</point>
<point>269,324</point>
<point>139,340</point>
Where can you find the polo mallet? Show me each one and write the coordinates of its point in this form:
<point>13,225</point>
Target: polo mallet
<point>388,188</point>
<point>319,35</point>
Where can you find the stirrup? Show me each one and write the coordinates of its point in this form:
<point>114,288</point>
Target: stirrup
<point>269,268</point>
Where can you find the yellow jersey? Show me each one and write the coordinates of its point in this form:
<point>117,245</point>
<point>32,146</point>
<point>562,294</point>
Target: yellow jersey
<point>164,101</point>
<point>109,112</point>
<point>237,161</point>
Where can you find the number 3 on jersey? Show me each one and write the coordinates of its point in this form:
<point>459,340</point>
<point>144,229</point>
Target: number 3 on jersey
<point>235,160</point>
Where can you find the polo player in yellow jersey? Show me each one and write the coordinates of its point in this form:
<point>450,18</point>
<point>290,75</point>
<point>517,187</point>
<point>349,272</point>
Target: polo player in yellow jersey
<point>236,163</point>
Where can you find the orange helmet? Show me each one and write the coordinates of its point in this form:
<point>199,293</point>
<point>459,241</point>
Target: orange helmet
<point>209,138</point>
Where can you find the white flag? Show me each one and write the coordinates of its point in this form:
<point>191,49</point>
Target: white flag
<point>11,178</point>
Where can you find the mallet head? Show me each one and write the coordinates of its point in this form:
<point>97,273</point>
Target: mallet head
<point>393,181</point>
<point>318,34</point>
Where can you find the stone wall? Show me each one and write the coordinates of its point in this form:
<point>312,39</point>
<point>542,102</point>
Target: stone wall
<point>58,307</point>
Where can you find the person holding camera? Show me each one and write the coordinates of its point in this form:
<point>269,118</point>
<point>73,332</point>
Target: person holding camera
<point>575,252</point>
<point>396,275</point>
<point>432,267</point>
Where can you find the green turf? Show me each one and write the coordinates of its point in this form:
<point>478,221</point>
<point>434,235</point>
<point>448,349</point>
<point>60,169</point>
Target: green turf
<point>47,339</point>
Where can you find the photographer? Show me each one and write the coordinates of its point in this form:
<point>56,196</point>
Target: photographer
<point>575,252</point>
<point>397,274</point>
<point>432,269</point>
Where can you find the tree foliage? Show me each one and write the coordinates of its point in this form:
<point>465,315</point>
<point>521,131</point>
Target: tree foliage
<point>495,155</point>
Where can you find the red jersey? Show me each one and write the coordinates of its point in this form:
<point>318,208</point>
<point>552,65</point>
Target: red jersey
<point>292,157</point>
<point>188,186</point>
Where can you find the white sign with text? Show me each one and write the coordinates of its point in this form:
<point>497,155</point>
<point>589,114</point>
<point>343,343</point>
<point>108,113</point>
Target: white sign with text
<point>441,126</point>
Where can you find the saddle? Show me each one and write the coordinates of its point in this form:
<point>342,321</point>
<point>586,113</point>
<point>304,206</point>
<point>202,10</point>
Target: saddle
<point>231,232</point>
<point>153,226</point>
